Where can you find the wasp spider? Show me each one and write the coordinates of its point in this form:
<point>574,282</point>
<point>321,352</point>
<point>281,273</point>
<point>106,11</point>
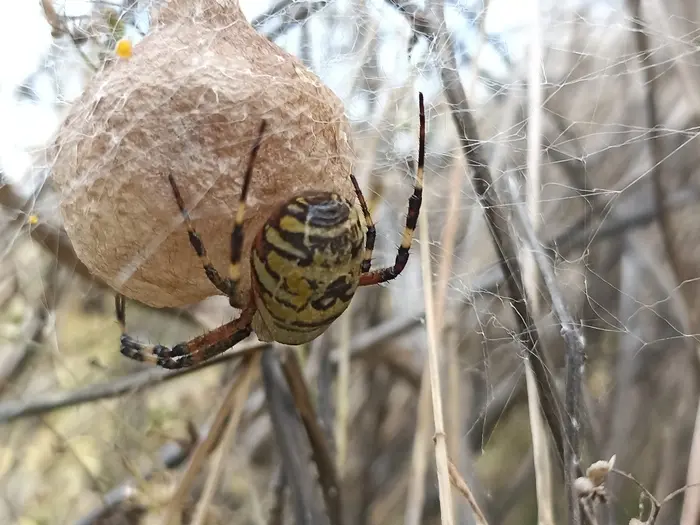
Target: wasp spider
<point>306,262</point>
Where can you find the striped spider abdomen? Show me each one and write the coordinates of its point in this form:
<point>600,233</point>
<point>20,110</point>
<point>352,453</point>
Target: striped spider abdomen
<point>306,265</point>
<point>307,261</point>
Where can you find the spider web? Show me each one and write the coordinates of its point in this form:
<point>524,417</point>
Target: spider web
<point>609,154</point>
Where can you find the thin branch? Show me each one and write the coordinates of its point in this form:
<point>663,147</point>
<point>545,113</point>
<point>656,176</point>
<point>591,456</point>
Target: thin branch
<point>575,357</point>
<point>458,481</point>
<point>211,484</point>
<point>14,360</point>
<point>206,445</point>
<point>291,442</point>
<point>151,377</point>
<point>51,237</point>
<point>327,473</point>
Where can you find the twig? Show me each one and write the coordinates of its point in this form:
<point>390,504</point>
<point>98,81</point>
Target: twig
<point>12,364</point>
<point>217,462</point>
<point>205,446</point>
<point>149,378</point>
<point>327,474</point>
<point>276,516</point>
<point>458,481</point>
<point>575,358</point>
<point>291,442</point>
<point>52,238</point>
<point>152,377</point>
<point>540,441</point>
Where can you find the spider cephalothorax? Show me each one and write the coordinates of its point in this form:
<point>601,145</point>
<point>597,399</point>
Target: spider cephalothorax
<point>306,262</point>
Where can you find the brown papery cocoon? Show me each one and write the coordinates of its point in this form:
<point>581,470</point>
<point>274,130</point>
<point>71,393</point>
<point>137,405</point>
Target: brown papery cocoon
<point>189,102</point>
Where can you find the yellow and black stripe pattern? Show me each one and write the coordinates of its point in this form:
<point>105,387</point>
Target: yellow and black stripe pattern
<point>306,265</point>
<point>307,262</point>
<point>383,275</point>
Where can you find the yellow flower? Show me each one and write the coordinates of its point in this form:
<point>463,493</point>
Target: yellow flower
<point>124,48</point>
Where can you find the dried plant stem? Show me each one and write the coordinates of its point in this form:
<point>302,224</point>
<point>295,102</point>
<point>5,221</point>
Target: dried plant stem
<point>292,443</point>
<point>49,236</point>
<point>573,339</point>
<point>241,395</point>
<point>444,487</point>
<point>458,481</point>
<point>691,502</point>
<point>343,391</point>
<point>203,449</point>
<point>454,402</point>
<point>151,377</point>
<point>327,474</point>
<point>482,180</point>
<point>415,497</point>
<point>426,23</point>
<point>540,450</point>
<point>540,441</point>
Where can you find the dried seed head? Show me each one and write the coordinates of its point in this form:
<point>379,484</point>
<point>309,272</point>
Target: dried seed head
<point>583,487</point>
<point>189,102</point>
<point>599,470</point>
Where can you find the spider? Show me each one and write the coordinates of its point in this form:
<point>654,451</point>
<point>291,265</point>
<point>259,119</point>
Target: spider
<point>307,261</point>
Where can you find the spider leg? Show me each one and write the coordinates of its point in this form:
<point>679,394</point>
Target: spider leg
<point>185,354</point>
<point>382,275</point>
<point>224,285</point>
<point>371,233</point>
<point>237,233</point>
<point>227,286</point>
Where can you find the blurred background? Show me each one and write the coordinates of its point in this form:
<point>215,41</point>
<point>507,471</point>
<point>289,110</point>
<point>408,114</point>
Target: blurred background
<point>587,118</point>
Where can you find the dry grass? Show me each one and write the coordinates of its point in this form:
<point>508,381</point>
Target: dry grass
<point>549,223</point>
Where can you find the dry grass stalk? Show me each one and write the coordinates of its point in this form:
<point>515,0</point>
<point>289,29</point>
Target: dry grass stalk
<point>327,470</point>
<point>172,514</point>
<point>458,481</point>
<point>419,457</point>
<point>343,391</point>
<point>691,501</point>
<point>217,461</point>
<point>446,504</point>
<point>540,441</point>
